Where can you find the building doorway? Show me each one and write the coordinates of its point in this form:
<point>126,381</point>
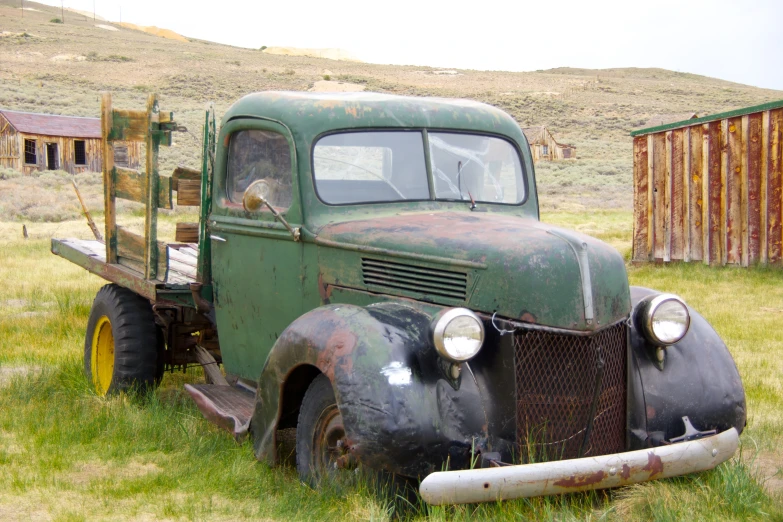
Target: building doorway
<point>51,156</point>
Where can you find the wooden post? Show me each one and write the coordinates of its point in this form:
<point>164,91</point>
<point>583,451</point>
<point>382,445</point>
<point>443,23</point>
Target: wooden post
<point>151,189</point>
<point>108,179</point>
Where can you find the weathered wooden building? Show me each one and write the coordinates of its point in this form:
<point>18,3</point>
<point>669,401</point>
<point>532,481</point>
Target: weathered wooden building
<point>543,145</point>
<point>30,142</point>
<point>711,189</point>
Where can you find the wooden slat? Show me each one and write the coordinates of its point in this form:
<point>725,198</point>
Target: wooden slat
<point>714,161</point>
<point>151,185</point>
<point>695,196</point>
<point>659,196</point>
<point>133,246</point>
<point>183,173</point>
<point>775,187</point>
<point>189,192</point>
<point>667,200</point>
<point>650,198</point>
<point>733,189</point>
<point>129,125</point>
<point>186,233</point>
<point>753,174</point>
<point>129,184</point>
<point>110,216</point>
<point>764,225</point>
<point>640,174</point>
<point>678,230</point>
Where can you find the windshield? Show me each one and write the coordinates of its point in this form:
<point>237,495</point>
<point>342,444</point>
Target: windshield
<point>387,166</point>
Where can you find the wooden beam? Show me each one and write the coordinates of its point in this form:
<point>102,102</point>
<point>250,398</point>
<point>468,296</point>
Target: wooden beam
<point>186,233</point>
<point>129,184</point>
<point>128,125</point>
<point>189,192</point>
<point>151,190</point>
<point>108,180</point>
<point>183,173</point>
<point>133,247</point>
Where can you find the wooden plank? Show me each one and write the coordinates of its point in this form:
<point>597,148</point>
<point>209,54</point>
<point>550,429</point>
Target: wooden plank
<point>695,195</point>
<point>132,246</point>
<point>659,196</point>
<point>650,198</point>
<point>186,233</point>
<point>714,160</point>
<point>733,189</point>
<point>151,254</point>
<point>129,184</point>
<point>110,215</point>
<point>184,173</point>
<point>775,188</point>
<point>640,174</point>
<point>189,192</point>
<point>686,193</point>
<point>764,186</point>
<point>754,176</point>
<point>667,200</point>
<point>129,125</point>
<point>678,229</point>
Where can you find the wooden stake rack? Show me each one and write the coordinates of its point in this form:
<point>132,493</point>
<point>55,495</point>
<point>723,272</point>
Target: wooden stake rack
<point>144,254</point>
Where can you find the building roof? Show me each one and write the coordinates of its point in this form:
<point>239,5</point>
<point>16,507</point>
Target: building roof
<point>713,117</point>
<point>533,133</point>
<point>52,125</point>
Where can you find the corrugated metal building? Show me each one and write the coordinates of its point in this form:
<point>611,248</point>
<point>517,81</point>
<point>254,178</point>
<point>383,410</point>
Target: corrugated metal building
<point>543,145</point>
<point>30,142</point>
<point>711,189</point>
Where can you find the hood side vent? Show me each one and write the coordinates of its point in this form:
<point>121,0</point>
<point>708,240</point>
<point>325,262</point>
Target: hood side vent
<point>417,279</point>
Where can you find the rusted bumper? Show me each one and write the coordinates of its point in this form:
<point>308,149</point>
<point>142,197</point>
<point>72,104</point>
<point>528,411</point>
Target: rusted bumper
<point>567,476</point>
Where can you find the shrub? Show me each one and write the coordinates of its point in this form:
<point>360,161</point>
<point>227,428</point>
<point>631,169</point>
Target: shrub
<point>56,21</point>
<point>327,77</point>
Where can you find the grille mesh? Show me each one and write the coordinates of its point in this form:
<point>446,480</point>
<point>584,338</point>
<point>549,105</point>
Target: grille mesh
<point>556,381</point>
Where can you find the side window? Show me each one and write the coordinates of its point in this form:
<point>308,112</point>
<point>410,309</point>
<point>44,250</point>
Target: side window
<point>30,157</point>
<point>79,152</point>
<point>259,155</point>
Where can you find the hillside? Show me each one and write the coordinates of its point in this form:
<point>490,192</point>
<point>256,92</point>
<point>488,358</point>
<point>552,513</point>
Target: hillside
<point>62,68</point>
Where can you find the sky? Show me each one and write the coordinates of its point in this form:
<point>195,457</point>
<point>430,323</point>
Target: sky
<point>735,40</point>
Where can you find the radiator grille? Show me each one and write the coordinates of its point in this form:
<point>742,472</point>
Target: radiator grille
<point>421,280</point>
<point>556,378</point>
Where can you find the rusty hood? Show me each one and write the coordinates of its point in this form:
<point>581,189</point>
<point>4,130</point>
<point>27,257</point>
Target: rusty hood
<point>518,267</point>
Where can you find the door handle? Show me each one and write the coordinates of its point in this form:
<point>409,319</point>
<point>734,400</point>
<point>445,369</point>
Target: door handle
<point>217,238</point>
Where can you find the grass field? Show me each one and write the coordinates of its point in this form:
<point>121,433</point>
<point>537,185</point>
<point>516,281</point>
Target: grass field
<point>68,455</point>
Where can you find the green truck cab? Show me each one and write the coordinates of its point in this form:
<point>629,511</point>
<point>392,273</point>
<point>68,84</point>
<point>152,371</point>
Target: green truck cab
<point>371,272</point>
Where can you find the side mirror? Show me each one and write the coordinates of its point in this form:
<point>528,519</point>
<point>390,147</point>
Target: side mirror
<point>255,197</point>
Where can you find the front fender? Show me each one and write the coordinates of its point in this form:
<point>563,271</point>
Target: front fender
<point>699,379</point>
<point>399,413</point>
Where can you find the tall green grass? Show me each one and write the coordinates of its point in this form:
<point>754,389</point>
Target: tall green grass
<point>66,454</point>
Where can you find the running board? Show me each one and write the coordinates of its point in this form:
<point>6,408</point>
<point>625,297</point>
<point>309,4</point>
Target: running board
<point>230,407</point>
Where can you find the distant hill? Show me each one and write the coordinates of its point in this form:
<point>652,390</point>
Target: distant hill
<point>62,68</point>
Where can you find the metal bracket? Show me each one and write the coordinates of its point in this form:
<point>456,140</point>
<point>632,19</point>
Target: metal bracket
<point>691,433</point>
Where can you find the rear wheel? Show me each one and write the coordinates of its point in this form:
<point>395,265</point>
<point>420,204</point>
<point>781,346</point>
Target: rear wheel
<point>320,434</point>
<point>121,344</point>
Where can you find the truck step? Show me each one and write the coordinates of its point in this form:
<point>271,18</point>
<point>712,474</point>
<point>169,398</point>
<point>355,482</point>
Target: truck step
<point>230,407</point>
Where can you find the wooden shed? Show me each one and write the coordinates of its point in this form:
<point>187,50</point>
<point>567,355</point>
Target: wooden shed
<point>30,142</point>
<point>543,145</point>
<point>711,189</point>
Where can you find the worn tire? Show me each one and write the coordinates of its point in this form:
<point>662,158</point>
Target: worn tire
<point>121,342</point>
<point>318,407</point>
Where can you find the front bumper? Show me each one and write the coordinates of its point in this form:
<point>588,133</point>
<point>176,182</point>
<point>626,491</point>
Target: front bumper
<point>568,476</point>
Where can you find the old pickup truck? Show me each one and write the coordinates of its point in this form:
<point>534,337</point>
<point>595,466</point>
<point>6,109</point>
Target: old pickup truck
<point>371,272</point>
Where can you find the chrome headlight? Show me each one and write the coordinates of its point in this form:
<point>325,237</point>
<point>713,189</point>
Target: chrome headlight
<point>457,334</point>
<point>663,318</point>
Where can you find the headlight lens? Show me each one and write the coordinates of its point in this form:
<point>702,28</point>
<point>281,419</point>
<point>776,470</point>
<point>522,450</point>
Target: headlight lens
<point>458,334</point>
<point>665,319</point>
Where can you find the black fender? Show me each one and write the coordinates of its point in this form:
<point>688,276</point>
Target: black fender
<point>699,379</point>
<point>400,412</point>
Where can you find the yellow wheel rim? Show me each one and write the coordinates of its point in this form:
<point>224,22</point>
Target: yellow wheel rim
<point>102,355</point>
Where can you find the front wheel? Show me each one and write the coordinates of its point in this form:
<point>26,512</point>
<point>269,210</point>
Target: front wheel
<point>121,344</point>
<point>320,434</point>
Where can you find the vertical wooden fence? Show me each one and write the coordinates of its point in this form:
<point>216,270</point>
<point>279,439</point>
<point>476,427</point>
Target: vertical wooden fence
<point>711,189</point>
